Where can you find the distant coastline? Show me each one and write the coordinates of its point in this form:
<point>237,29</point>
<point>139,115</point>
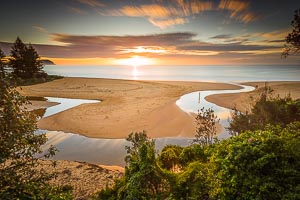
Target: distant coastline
<point>47,62</point>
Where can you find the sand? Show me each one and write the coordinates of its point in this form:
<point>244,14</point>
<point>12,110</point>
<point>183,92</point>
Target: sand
<point>127,106</point>
<point>242,101</point>
<point>86,179</point>
<point>39,105</point>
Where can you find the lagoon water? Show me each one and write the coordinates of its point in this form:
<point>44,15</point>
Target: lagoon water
<point>112,151</point>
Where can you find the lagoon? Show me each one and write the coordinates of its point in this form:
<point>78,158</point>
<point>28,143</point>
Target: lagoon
<point>112,151</point>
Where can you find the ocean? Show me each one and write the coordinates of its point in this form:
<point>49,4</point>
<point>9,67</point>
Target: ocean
<point>181,73</point>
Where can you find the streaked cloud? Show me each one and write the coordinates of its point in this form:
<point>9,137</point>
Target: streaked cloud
<point>92,3</point>
<point>168,22</point>
<point>158,15</point>
<point>161,15</point>
<point>166,39</point>
<point>40,29</point>
<point>164,15</point>
<point>150,11</point>
<point>223,36</point>
<point>200,6</point>
<point>239,10</point>
<point>152,45</point>
<point>76,10</point>
<point>235,6</point>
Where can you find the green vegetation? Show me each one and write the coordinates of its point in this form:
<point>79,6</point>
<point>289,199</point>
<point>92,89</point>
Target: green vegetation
<point>257,165</point>
<point>25,65</point>
<point>293,39</point>
<point>206,126</point>
<point>25,61</point>
<point>21,178</point>
<point>261,161</point>
<point>268,109</point>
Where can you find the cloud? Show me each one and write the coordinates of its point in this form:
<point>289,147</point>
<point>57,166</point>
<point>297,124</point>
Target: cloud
<point>76,10</point>
<point>239,10</point>
<point>223,36</point>
<point>227,47</point>
<point>162,24</point>
<point>150,11</point>
<point>40,29</point>
<point>194,6</point>
<point>158,15</point>
<point>164,14</point>
<point>92,3</point>
<point>161,15</point>
<point>200,6</point>
<point>178,43</point>
<point>246,17</point>
<point>234,6</point>
<point>167,39</point>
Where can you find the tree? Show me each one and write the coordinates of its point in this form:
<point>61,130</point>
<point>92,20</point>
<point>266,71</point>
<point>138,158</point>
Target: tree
<point>20,177</point>
<point>16,62</point>
<point>33,64</point>
<point>191,183</point>
<point>143,177</point>
<point>293,39</point>
<point>206,126</point>
<point>25,61</point>
<point>267,109</point>
<point>169,157</point>
<point>2,64</point>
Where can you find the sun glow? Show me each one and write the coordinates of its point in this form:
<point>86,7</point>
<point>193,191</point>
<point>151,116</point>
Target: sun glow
<point>136,61</point>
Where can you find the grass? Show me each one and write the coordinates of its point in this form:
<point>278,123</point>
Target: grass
<point>33,81</point>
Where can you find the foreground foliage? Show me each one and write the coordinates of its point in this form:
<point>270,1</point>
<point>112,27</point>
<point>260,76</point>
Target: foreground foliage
<point>20,176</point>
<point>292,45</point>
<point>261,161</point>
<point>257,165</point>
<point>254,165</point>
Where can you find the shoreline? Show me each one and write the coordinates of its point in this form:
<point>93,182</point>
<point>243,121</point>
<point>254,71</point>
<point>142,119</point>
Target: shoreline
<point>126,106</point>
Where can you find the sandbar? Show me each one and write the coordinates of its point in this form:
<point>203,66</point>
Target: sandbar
<point>126,106</point>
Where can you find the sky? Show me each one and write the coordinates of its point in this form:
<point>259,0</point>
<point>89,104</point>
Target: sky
<point>153,32</point>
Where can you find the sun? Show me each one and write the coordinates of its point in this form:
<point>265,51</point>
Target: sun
<point>136,61</point>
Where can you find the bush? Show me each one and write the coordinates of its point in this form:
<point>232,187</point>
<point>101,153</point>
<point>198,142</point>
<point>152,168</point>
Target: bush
<point>257,165</point>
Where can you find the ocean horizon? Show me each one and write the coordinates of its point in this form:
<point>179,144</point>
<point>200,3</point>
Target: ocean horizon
<point>214,73</point>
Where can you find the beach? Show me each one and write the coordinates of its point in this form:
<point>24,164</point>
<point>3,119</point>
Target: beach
<point>85,179</point>
<point>126,106</point>
<point>242,101</point>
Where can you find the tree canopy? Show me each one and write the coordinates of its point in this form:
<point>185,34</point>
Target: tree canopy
<point>293,39</point>
<point>25,61</point>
